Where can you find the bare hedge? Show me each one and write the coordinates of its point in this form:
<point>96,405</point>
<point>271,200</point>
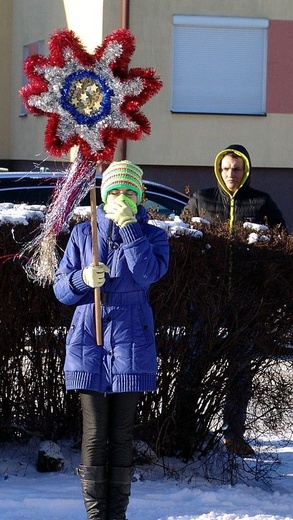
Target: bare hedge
<point>221,299</point>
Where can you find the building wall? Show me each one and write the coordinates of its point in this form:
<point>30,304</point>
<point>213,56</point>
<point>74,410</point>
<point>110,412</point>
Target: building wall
<point>280,67</point>
<point>5,76</point>
<point>188,139</point>
<point>33,20</point>
<point>181,147</point>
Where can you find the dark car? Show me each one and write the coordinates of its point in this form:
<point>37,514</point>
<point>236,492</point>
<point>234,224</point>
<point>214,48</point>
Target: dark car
<point>37,188</point>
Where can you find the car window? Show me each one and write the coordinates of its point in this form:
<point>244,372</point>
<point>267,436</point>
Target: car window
<point>23,187</point>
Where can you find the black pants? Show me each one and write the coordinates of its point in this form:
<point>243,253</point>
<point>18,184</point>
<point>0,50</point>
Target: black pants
<point>108,424</point>
<point>239,392</point>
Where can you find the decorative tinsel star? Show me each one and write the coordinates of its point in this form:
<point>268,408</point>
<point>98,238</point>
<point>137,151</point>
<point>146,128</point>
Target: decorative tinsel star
<point>92,100</point>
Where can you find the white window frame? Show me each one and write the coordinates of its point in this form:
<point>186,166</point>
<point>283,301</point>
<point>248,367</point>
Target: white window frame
<point>219,65</point>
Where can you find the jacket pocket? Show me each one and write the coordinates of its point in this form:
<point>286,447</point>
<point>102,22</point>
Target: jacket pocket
<point>82,330</point>
<point>145,316</point>
<point>75,332</point>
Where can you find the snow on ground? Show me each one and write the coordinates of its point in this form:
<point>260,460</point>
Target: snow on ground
<point>26,494</point>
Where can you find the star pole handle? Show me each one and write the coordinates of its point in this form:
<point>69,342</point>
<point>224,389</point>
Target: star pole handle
<point>97,296</point>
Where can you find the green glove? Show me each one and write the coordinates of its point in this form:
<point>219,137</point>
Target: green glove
<point>94,275</point>
<point>121,210</point>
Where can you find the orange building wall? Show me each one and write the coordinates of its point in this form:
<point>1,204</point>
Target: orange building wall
<point>280,67</point>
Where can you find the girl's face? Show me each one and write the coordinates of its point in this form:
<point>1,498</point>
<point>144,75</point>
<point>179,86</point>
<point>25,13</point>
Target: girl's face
<point>122,191</point>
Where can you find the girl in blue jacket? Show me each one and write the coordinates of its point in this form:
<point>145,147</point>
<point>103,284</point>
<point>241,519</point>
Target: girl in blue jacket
<point>110,377</point>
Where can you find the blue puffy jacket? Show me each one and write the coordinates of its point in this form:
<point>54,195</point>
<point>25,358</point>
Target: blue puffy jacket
<point>137,255</point>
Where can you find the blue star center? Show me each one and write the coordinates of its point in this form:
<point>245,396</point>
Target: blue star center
<point>87,97</point>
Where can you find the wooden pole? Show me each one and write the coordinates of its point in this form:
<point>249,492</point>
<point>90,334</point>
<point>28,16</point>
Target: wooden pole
<point>97,296</point>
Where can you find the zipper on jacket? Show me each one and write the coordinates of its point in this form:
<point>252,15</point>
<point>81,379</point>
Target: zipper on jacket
<point>232,212</point>
<point>111,243</point>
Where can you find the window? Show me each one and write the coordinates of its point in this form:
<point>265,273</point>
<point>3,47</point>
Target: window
<point>219,65</point>
<point>28,50</point>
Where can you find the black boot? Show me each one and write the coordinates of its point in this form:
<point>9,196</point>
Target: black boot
<point>119,483</point>
<point>94,490</point>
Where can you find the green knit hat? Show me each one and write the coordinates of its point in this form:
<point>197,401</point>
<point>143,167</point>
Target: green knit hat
<point>122,174</point>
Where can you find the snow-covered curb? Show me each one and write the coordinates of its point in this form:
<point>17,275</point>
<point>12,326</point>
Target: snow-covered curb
<point>17,214</point>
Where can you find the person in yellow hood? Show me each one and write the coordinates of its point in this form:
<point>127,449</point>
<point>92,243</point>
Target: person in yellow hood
<point>234,200</point>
